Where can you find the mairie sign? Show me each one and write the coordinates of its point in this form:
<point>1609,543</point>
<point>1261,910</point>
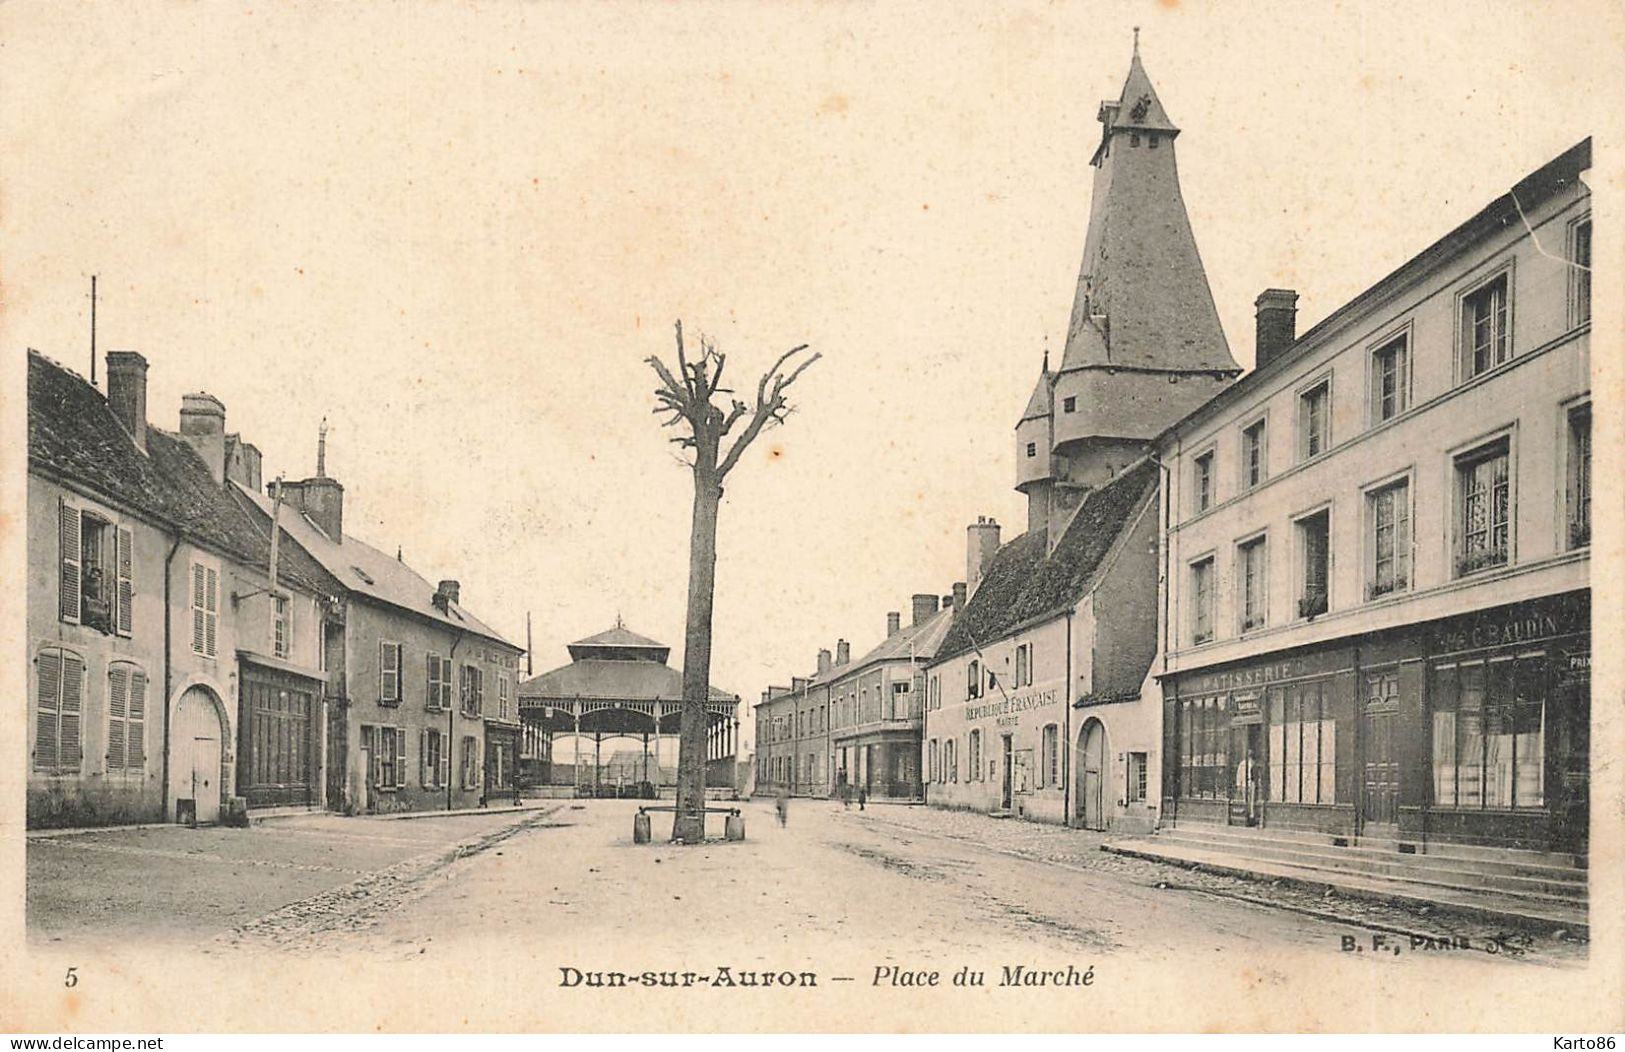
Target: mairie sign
<point>1013,704</point>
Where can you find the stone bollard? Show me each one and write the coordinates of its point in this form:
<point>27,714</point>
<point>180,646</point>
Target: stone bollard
<point>736,827</point>
<point>640,828</point>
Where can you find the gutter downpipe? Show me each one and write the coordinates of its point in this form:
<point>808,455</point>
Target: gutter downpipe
<point>451,714</point>
<point>1165,540</point>
<point>169,561</point>
<point>1066,748</point>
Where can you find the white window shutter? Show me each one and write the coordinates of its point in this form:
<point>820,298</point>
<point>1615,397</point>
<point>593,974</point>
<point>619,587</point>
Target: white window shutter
<point>445,761</point>
<point>73,688</point>
<point>400,757</point>
<point>125,598</point>
<point>211,597</point>
<point>68,531</point>
<point>197,608</point>
<point>48,700</point>
<point>423,758</point>
<point>136,741</point>
<point>118,710</point>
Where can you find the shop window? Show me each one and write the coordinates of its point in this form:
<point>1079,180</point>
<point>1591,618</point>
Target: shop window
<point>1483,508</point>
<point>1388,518</point>
<point>1315,420</point>
<point>1254,448</point>
<point>1201,749</point>
<point>1303,745</point>
<point>973,757</point>
<point>1314,547</point>
<point>1489,731</point>
<point>1390,378</point>
<point>1203,466</point>
<point>1579,477</point>
<point>1485,334</point>
<point>1137,776</point>
<point>1252,583</point>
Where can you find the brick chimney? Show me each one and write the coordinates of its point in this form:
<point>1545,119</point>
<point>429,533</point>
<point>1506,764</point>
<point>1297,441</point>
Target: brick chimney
<point>925,605</point>
<point>825,660</point>
<point>127,393</point>
<point>843,652</point>
<point>446,594</point>
<point>798,684</point>
<point>894,621</point>
<point>948,601</point>
<point>981,542</point>
<point>1277,314</point>
<point>959,595</point>
<point>203,427</point>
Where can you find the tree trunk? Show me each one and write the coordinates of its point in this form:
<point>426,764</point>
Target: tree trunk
<point>689,826</point>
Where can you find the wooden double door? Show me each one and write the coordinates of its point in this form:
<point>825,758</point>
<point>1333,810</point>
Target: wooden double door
<point>278,755</point>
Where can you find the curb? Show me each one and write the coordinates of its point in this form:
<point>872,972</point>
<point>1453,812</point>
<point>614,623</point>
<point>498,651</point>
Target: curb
<point>1385,897</point>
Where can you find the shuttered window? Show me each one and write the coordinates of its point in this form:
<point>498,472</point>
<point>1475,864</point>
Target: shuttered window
<point>68,532</point>
<point>59,703</point>
<point>124,598</point>
<point>126,717</point>
<point>389,673</point>
<point>471,763</point>
<point>205,609</point>
<point>400,757</point>
<point>439,691</point>
<point>473,690</point>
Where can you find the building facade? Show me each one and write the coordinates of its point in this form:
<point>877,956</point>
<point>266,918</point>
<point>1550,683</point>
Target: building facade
<point>1039,702</point>
<point>793,733</point>
<point>418,691</point>
<point>168,674</point>
<point>1377,551</point>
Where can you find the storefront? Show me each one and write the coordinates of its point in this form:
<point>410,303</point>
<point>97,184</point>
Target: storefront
<point>882,763</point>
<point>279,749</point>
<point>501,761</point>
<point>1471,729</point>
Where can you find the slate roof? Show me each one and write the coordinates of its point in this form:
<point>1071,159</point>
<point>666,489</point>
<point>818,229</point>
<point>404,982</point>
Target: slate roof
<point>921,640</point>
<point>364,570</point>
<point>1024,585</point>
<point>1038,406</point>
<point>622,680</point>
<point>620,636</point>
<point>1138,107</point>
<point>74,437</point>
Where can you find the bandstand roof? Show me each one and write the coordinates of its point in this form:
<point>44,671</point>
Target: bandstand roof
<point>599,679</point>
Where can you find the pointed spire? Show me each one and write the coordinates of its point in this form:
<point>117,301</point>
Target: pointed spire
<point>1136,41</point>
<point>1038,406</point>
<point>1138,108</point>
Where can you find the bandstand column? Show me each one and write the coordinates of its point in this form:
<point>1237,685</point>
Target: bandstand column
<point>575,767</point>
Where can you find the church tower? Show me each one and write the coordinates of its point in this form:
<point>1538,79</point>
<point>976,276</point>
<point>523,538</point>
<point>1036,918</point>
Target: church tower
<point>1144,347</point>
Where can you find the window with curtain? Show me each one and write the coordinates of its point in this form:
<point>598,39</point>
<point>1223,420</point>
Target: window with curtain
<point>1303,744</point>
<point>1489,732</point>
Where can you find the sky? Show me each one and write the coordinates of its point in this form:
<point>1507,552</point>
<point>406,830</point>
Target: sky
<point>456,231</point>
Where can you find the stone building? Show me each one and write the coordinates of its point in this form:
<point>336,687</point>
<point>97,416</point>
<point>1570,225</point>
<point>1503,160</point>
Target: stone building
<point>170,668</point>
<point>422,708</point>
<point>1377,549</point>
<point>1038,702</point>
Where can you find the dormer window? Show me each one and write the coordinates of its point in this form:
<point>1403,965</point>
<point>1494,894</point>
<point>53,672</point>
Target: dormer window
<point>1069,404</point>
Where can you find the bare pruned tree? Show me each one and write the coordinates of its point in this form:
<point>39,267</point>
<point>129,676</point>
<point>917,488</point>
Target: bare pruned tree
<point>686,400</point>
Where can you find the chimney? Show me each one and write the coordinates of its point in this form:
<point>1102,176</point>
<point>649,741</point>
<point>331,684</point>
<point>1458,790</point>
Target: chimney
<point>981,542</point>
<point>243,462</point>
<point>894,621</point>
<point>824,661</point>
<point>843,652</point>
<point>959,595</point>
<point>203,427</point>
<point>446,594</point>
<point>323,500</point>
<point>798,684</point>
<point>925,605</point>
<point>1277,314</point>
<point>948,601</point>
<point>127,393</point>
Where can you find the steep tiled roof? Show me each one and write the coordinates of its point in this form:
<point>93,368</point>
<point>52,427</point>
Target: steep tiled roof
<point>362,569</point>
<point>626,680</point>
<point>73,436</point>
<point>1023,584</point>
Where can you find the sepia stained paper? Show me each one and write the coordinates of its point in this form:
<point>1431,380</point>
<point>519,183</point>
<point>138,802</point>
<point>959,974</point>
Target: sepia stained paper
<point>446,237</point>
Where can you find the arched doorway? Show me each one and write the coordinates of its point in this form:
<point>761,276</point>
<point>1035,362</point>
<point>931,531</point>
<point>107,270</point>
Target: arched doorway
<point>196,740</point>
<point>1092,775</point>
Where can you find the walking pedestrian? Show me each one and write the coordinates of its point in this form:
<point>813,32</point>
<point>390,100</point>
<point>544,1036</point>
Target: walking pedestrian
<point>863,796</point>
<point>782,806</point>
